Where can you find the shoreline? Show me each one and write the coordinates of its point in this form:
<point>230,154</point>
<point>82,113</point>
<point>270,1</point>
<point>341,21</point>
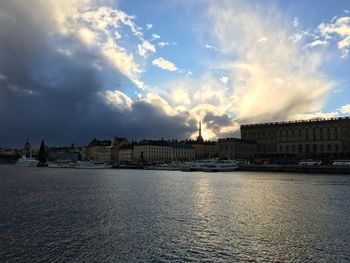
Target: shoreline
<point>312,169</point>
<point>306,169</point>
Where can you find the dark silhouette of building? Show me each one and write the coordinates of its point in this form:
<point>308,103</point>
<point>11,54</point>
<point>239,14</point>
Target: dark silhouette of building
<point>318,138</point>
<point>199,137</point>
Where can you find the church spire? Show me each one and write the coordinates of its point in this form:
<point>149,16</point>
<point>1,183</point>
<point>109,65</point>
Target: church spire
<point>200,138</point>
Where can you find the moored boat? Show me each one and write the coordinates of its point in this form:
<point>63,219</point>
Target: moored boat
<point>27,162</point>
<point>92,165</point>
<point>221,166</point>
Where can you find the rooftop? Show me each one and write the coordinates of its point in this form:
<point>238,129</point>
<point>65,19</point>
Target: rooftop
<point>297,122</point>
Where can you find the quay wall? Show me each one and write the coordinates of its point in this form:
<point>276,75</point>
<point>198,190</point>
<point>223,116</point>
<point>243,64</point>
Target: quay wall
<point>320,169</point>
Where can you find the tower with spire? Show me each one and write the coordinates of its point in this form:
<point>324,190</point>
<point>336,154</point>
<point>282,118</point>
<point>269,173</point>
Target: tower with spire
<point>199,137</point>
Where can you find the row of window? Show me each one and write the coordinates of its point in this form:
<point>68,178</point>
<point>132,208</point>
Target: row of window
<point>322,131</point>
<point>308,148</point>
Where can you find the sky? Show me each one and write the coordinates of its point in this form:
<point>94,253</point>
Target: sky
<point>72,70</point>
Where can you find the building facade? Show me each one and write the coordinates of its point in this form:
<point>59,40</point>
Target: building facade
<point>99,151</point>
<point>321,138</point>
<point>125,153</point>
<point>233,148</point>
<point>117,144</point>
<point>152,151</point>
<point>182,152</point>
<point>156,151</point>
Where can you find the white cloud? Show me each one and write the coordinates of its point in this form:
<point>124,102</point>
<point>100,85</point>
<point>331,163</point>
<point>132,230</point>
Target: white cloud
<point>100,27</point>
<point>163,44</point>
<point>338,28</point>
<point>296,83</point>
<point>224,79</point>
<point>157,101</point>
<point>344,43</point>
<point>155,36</point>
<point>118,99</point>
<point>316,115</point>
<point>295,22</point>
<point>211,47</point>
<point>145,48</point>
<point>164,64</point>
<point>262,40</point>
<point>317,43</point>
<point>345,109</point>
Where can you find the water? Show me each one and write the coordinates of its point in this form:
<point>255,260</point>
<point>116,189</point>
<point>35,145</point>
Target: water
<point>60,215</point>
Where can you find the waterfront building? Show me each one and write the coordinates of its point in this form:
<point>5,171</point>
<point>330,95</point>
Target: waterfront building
<point>104,156</point>
<point>183,152</point>
<point>153,151</point>
<point>204,150</point>
<point>234,148</point>
<point>156,151</point>
<point>69,153</point>
<point>318,138</point>
<point>125,153</point>
<point>99,151</point>
<point>117,144</point>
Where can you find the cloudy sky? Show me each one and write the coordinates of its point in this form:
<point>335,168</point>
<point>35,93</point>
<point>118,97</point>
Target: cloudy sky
<point>71,70</point>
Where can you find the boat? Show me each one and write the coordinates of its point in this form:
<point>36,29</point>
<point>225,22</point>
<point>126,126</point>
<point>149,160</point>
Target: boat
<point>61,164</point>
<point>92,165</point>
<point>196,165</point>
<point>27,162</point>
<point>221,166</point>
<point>174,167</point>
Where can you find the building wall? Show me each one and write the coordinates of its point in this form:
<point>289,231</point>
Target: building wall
<point>117,144</point>
<point>103,156</point>
<point>205,150</point>
<point>328,138</point>
<point>233,148</point>
<point>152,153</point>
<point>125,155</point>
<point>183,153</point>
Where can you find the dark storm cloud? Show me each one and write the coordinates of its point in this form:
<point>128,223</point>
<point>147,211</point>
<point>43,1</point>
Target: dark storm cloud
<point>216,122</point>
<point>47,93</point>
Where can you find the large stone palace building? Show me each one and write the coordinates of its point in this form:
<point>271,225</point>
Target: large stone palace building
<point>321,138</point>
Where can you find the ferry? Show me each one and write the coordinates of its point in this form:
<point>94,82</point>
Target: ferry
<point>196,165</point>
<point>341,163</point>
<point>27,162</point>
<point>310,162</point>
<point>92,165</point>
<point>62,164</point>
<point>221,166</point>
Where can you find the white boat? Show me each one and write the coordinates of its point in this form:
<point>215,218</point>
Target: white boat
<point>196,165</point>
<point>174,167</point>
<point>92,165</point>
<point>221,166</point>
<point>27,162</point>
<point>61,164</point>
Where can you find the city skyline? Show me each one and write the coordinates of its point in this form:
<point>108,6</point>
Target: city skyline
<point>72,70</point>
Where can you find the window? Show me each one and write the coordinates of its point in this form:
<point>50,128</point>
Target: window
<point>337,147</point>
<point>329,147</point>
<point>322,148</point>
<point>307,148</point>
<point>300,148</point>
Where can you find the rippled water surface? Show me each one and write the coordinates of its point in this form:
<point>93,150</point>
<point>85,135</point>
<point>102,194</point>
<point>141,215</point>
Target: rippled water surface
<point>60,215</point>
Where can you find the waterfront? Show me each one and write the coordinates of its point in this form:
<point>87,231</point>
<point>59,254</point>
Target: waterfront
<point>64,215</point>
